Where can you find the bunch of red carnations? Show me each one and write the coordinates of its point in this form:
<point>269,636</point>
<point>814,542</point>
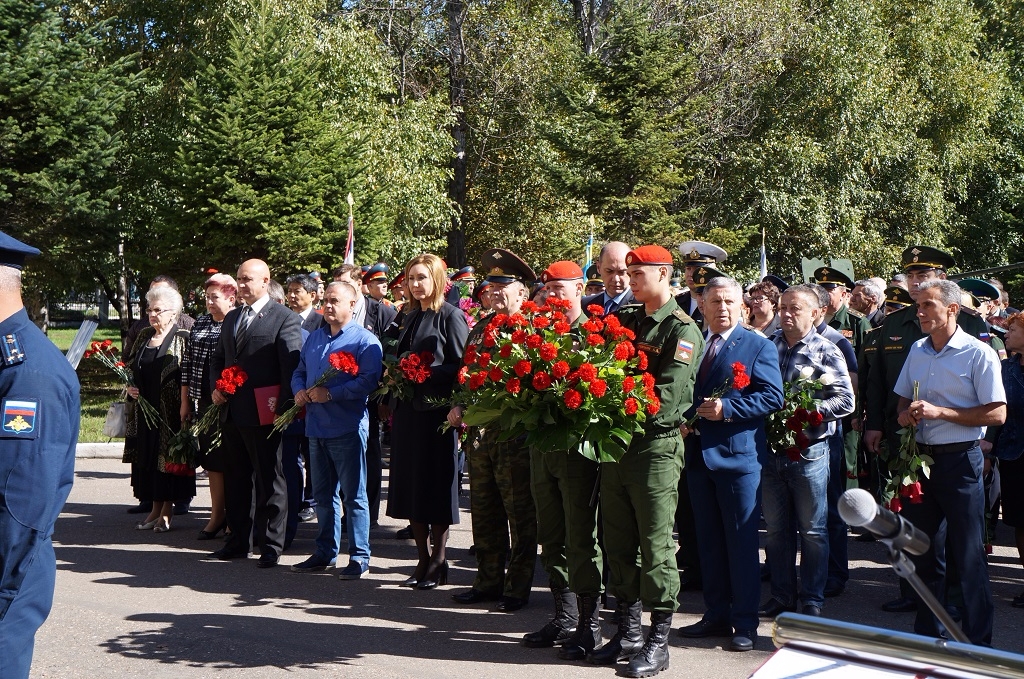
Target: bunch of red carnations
<point>106,353</point>
<point>562,387</point>
<point>339,362</point>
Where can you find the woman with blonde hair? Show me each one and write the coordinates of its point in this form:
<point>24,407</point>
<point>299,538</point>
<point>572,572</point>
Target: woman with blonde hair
<point>155,362</point>
<point>220,291</point>
<point>423,484</point>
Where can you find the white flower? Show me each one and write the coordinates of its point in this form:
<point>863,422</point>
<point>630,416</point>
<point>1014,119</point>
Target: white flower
<point>827,379</point>
<point>807,372</point>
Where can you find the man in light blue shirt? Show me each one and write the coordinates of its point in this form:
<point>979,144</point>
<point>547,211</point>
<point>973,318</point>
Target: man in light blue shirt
<point>960,394</point>
<point>337,425</point>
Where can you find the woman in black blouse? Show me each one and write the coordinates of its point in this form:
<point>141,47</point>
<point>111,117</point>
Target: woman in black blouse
<point>423,483</point>
<point>220,292</point>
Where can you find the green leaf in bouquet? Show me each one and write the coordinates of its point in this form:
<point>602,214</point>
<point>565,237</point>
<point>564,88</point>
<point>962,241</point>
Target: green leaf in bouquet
<point>479,416</point>
<point>610,451</point>
<point>588,451</point>
<point>926,466</point>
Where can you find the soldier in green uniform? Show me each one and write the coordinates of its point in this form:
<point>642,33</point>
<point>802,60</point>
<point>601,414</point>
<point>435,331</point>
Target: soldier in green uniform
<point>504,517</point>
<point>639,493</point>
<point>851,323</point>
<point>895,336</point>
<point>563,484</point>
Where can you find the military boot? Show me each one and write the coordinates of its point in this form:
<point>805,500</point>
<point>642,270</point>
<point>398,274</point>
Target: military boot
<point>627,640</point>
<point>653,657</point>
<point>561,626</point>
<point>588,630</point>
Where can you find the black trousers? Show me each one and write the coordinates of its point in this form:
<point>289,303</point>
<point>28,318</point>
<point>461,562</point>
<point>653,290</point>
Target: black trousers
<point>254,488</point>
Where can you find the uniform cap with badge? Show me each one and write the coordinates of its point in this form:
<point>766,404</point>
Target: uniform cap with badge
<point>594,276</point>
<point>562,271</point>
<point>923,257</point>
<point>898,297</point>
<point>397,280</point>
<point>983,291</point>
<point>13,252</point>
<point>377,272</point>
<point>780,284</point>
<point>704,275</point>
<point>830,278</point>
<point>697,252</point>
<point>501,266</point>
<point>466,273</point>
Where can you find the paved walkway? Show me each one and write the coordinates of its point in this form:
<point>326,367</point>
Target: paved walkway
<point>140,604</point>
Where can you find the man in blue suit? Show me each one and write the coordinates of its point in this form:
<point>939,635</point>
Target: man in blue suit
<point>723,472</point>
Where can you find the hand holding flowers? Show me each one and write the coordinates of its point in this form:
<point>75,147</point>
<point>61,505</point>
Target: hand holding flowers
<point>339,362</point>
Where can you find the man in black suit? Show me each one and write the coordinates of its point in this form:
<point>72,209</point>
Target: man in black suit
<point>263,339</point>
<point>300,293</point>
<point>611,264</point>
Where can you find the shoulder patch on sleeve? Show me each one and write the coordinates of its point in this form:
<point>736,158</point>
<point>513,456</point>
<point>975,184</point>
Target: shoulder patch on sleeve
<point>684,351</point>
<point>19,419</point>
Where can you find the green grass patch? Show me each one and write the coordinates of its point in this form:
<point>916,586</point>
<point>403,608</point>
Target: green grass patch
<point>99,386</point>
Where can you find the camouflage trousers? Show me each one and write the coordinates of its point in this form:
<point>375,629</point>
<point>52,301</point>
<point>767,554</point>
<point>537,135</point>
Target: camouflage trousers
<point>504,517</point>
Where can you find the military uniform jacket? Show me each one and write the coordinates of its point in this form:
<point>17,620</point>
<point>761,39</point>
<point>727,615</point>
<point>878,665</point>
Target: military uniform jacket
<point>40,408</point>
<point>673,343</point>
<point>885,355</point>
<point>685,301</point>
<point>853,325</point>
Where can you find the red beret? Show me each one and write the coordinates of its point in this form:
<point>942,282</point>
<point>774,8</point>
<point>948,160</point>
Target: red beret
<point>649,255</point>
<point>562,271</point>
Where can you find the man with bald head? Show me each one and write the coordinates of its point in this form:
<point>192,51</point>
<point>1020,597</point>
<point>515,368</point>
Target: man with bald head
<point>264,340</point>
<point>611,264</point>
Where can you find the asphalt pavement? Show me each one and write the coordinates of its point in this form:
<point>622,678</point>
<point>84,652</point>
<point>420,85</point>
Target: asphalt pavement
<point>140,604</point>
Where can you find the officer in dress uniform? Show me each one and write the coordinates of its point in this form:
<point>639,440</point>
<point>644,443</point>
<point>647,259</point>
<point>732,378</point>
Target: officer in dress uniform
<point>39,415</point>
<point>595,286</point>
<point>851,323</point>
<point>397,290</point>
<point>639,492</point>
<point>984,293</point>
<point>466,277</point>
<point>697,254</point>
<point>375,280</point>
<point>504,515</point>
<point>886,357</point>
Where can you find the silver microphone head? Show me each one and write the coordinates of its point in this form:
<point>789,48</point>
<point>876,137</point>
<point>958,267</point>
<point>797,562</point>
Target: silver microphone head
<point>857,507</point>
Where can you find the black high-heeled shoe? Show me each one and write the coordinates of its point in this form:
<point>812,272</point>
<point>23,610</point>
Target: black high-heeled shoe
<point>211,534</point>
<point>414,579</point>
<point>439,577</point>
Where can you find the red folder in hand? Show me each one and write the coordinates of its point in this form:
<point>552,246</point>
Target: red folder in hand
<point>266,402</point>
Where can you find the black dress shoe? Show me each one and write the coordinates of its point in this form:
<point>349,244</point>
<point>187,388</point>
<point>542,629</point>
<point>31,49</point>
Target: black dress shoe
<point>267,560</point>
<point>901,605</point>
<point>773,607</point>
<point>706,628</point>
<point>743,640</point>
<point>509,604</point>
<point>211,534</point>
<point>404,533</point>
<point>833,589</point>
<point>225,554</point>
<point>474,596</point>
<point>811,609</point>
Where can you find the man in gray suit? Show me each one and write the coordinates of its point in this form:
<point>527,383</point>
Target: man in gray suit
<point>263,339</point>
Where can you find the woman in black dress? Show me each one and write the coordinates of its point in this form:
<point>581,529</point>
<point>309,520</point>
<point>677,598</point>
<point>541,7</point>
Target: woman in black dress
<point>155,362</point>
<point>423,483</point>
<point>220,292</point>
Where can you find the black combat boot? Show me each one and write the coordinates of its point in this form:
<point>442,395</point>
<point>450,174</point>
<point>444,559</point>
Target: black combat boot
<point>588,630</point>
<point>561,626</point>
<point>653,657</point>
<point>627,640</point>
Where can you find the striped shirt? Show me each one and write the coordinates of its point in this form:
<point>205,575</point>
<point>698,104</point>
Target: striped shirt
<point>195,365</point>
<point>965,374</point>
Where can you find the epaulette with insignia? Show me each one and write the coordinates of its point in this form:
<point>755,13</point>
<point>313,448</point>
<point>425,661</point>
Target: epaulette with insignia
<point>683,316</point>
<point>13,355</point>
<point>855,313</point>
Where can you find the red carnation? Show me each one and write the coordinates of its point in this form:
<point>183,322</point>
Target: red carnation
<point>595,310</point>
<point>558,316</point>
<point>598,388</point>
<point>470,355</point>
<point>628,384</point>
<point>505,351</point>
<point>484,359</point>
<point>534,341</point>
<point>498,320</point>
<point>529,307</point>
<point>463,374</point>
<point>654,406</point>
<point>573,399</point>
<point>624,351</point>
<point>476,380</point>
<point>490,340</point>
<point>642,362</point>
<point>513,386</point>
<point>523,368</point>
<point>741,381</point>
<point>343,361</point>
<point>814,418</point>
<point>548,351</point>
<point>119,364</point>
<point>587,372</point>
<point>648,380</point>
<point>231,378</point>
<point>541,322</point>
<point>541,381</point>
<point>518,320</point>
<point>560,370</point>
<point>630,406</point>
<point>495,374</point>
<point>593,325</point>
<point>595,340</point>
<point>518,337</point>
<point>561,327</point>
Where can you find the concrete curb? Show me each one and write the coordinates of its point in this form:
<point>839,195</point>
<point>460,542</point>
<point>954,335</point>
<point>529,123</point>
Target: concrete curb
<point>110,451</point>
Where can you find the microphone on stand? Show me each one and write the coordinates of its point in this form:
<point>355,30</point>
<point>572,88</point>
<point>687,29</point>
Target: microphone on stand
<point>858,508</point>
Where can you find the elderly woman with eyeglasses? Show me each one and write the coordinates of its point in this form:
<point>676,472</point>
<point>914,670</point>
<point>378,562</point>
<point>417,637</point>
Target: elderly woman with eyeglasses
<point>763,299</point>
<point>155,361</point>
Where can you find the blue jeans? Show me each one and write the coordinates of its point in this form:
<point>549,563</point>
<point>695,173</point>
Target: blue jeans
<point>339,469</point>
<point>797,492</point>
<point>838,560</point>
